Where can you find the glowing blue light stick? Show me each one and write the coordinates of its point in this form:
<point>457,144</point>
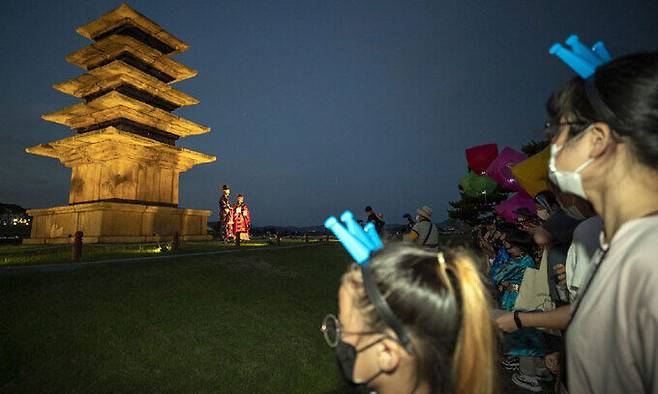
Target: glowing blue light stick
<point>356,230</point>
<point>358,243</point>
<point>371,231</point>
<point>356,249</point>
<point>601,51</point>
<point>583,60</point>
<point>582,51</point>
<point>579,65</point>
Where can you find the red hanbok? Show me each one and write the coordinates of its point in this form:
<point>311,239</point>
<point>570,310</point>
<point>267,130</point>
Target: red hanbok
<point>241,220</point>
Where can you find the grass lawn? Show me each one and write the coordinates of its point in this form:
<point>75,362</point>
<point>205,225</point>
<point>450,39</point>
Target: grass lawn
<point>11,255</point>
<point>234,323</point>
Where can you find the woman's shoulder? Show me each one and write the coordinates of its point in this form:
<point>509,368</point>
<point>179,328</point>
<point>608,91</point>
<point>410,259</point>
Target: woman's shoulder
<point>636,250</point>
<point>637,239</point>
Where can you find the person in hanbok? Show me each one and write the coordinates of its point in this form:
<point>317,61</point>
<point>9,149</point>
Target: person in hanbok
<point>225,216</point>
<point>241,219</point>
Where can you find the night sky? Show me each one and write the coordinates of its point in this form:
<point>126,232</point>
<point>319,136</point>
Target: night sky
<point>318,106</point>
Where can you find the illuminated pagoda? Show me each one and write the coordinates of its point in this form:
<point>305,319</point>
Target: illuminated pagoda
<point>124,159</point>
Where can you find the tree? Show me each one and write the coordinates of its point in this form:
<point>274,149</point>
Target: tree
<point>533,147</point>
<point>476,210</point>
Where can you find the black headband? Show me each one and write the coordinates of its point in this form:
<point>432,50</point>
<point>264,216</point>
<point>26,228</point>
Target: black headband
<point>383,310</point>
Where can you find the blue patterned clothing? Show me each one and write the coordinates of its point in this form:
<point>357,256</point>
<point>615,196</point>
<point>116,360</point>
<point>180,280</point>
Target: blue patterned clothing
<point>508,280</point>
<point>502,258</point>
<point>528,341</point>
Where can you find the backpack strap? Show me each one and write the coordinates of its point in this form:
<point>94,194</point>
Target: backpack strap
<point>429,232</point>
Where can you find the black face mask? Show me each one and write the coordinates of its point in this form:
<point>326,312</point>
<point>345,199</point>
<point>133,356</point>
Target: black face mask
<point>346,358</point>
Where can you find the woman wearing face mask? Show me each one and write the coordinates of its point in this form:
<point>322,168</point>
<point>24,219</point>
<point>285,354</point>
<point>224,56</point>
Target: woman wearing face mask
<point>606,151</point>
<point>441,303</point>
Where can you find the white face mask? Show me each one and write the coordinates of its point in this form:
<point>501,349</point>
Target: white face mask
<point>567,181</point>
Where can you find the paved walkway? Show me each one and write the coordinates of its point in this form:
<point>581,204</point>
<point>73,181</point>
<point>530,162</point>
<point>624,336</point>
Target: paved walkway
<point>88,264</point>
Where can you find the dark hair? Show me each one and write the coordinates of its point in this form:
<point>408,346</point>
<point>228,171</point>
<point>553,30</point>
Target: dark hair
<point>549,197</point>
<point>505,227</point>
<point>628,87</point>
<point>368,208</point>
<point>521,240</point>
<point>446,310</point>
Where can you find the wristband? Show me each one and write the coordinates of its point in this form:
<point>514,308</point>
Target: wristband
<point>517,320</point>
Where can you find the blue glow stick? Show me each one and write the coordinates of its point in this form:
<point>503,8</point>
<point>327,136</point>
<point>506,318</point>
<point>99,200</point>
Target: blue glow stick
<point>356,230</point>
<point>580,58</point>
<point>356,249</point>
<point>582,51</point>
<point>602,52</point>
<point>578,64</point>
<point>371,231</point>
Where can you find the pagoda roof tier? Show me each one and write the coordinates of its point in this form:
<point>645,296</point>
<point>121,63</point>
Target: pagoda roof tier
<point>118,73</point>
<point>111,144</point>
<point>133,52</point>
<point>126,21</point>
<point>113,106</point>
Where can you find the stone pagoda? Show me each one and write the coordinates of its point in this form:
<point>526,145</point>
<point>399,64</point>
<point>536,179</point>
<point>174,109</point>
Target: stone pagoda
<point>124,159</point>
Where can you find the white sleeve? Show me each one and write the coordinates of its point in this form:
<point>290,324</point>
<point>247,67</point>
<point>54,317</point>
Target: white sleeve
<point>570,267</point>
<point>578,266</point>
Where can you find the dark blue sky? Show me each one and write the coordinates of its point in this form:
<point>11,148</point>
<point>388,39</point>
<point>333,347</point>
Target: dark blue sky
<point>319,106</point>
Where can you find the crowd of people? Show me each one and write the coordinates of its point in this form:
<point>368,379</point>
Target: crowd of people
<point>536,268</point>
<point>234,219</point>
<point>419,231</point>
<point>570,285</point>
<point>576,281</point>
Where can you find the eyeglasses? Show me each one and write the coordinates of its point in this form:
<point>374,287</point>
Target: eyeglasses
<point>332,331</point>
<point>551,129</point>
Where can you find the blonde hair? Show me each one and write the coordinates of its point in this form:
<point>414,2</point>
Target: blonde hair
<point>443,303</point>
<point>474,365</point>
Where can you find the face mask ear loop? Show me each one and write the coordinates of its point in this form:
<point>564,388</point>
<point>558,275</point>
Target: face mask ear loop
<point>588,161</point>
<point>559,148</point>
<point>584,165</point>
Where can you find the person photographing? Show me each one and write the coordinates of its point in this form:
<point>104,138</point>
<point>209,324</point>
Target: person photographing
<point>424,233</point>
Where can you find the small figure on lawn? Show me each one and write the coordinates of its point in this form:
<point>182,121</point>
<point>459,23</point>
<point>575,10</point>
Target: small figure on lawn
<point>376,219</point>
<point>241,219</point>
<point>225,216</point>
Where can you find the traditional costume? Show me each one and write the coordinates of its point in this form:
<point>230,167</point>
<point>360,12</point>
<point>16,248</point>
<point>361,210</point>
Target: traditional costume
<point>241,220</point>
<point>225,217</point>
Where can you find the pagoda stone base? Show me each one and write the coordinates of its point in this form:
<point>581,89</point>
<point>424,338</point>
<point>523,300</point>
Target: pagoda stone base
<point>113,222</point>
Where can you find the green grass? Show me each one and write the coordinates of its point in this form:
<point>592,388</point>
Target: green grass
<point>234,323</point>
<point>12,255</point>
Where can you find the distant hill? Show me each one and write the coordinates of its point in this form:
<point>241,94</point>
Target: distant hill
<point>11,209</point>
<point>10,230</point>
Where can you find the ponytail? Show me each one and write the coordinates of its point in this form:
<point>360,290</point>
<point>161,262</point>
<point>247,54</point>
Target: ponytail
<point>474,368</point>
<point>442,301</point>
